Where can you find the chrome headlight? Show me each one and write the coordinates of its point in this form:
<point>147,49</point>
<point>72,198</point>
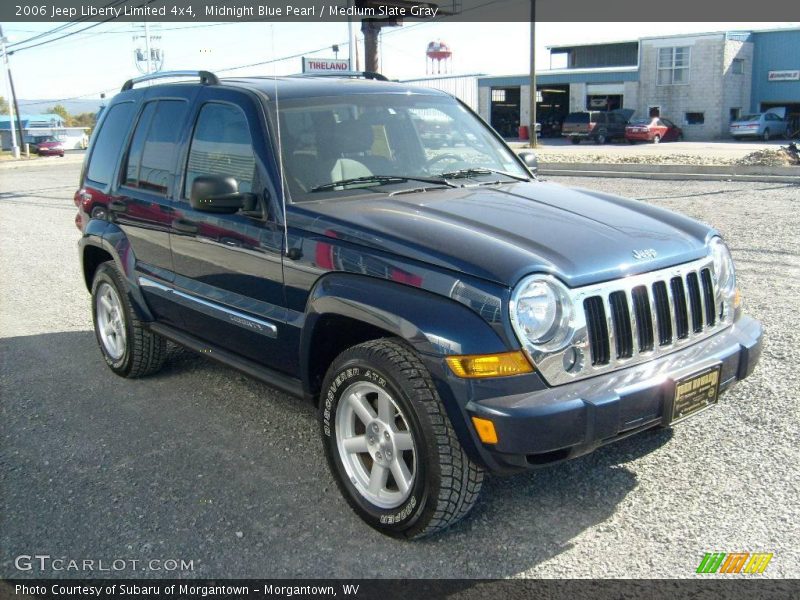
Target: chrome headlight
<point>724,272</point>
<point>542,313</point>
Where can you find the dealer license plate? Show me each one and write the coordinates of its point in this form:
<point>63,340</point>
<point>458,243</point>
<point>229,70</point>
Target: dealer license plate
<point>695,392</point>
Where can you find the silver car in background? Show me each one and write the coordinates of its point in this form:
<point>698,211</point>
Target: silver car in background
<point>765,125</point>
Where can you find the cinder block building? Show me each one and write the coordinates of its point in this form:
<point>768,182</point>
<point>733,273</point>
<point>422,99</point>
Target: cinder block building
<point>699,81</point>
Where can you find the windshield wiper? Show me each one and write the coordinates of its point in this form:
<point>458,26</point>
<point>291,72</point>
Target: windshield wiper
<point>480,171</point>
<point>380,180</point>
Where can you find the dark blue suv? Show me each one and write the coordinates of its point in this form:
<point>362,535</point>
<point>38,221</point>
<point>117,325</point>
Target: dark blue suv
<point>448,313</point>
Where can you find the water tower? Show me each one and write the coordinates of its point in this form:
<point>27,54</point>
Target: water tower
<point>438,52</point>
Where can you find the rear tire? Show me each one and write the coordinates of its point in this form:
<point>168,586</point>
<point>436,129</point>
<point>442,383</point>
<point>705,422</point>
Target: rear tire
<point>766,134</point>
<point>379,408</point>
<point>575,140</point>
<point>128,347</point>
<point>600,139</point>
<point>99,212</point>
<point>656,139</point>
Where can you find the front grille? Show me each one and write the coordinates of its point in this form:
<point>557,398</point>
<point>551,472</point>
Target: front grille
<point>669,308</point>
<point>598,330</point>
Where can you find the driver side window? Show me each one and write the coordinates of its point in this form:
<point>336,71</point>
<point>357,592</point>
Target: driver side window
<point>221,145</point>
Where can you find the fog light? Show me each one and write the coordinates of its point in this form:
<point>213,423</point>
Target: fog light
<point>485,429</point>
<point>489,365</point>
<point>573,360</point>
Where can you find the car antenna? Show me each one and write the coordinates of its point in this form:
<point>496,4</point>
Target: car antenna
<point>281,174</point>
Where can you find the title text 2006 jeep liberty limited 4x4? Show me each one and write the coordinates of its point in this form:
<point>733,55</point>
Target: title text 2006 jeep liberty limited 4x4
<point>449,313</point>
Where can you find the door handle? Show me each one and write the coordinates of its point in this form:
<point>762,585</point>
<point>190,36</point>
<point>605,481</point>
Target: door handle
<point>185,226</point>
<point>117,206</point>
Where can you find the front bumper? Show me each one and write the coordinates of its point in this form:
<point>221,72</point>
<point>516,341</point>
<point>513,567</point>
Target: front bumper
<point>745,132</point>
<point>558,423</point>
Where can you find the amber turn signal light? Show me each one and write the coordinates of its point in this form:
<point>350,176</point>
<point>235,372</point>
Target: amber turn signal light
<point>489,365</point>
<point>485,429</point>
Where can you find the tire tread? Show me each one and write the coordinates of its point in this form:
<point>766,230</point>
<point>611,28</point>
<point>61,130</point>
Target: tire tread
<point>461,479</point>
<point>148,350</point>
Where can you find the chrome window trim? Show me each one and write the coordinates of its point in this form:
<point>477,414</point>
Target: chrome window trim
<point>551,364</point>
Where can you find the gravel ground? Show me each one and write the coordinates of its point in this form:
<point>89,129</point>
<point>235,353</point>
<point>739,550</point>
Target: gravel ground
<point>203,464</point>
<point>730,152</point>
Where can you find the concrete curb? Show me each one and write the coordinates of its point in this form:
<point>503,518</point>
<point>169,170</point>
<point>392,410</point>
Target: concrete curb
<point>69,157</point>
<point>675,172</point>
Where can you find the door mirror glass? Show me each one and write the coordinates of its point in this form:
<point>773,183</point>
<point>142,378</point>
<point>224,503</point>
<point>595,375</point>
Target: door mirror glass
<point>530,160</point>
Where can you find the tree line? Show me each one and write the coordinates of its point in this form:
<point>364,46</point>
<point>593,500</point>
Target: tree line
<point>86,119</point>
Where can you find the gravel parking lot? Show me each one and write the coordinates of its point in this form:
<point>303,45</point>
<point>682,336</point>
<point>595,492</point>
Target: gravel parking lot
<point>202,464</point>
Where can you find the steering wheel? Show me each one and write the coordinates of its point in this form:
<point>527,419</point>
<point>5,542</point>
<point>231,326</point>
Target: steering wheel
<point>446,156</point>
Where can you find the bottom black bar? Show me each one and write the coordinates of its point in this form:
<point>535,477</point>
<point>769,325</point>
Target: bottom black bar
<point>736,587</point>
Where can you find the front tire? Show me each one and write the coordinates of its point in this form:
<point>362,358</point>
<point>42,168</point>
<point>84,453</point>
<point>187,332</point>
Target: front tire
<point>390,445</point>
<point>128,347</point>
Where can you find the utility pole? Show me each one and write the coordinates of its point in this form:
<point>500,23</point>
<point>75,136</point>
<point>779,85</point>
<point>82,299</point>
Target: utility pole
<point>533,94</point>
<point>12,104</point>
<point>147,45</point>
<point>351,40</point>
<point>371,30</point>
<point>151,58</point>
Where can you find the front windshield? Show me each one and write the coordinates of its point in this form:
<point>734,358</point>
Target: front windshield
<point>408,139</point>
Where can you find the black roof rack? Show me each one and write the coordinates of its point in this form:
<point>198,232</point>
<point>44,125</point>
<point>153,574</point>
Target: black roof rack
<point>206,77</point>
<point>350,74</point>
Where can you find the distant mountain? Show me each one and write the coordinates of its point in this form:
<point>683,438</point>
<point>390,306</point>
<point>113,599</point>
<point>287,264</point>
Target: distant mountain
<point>74,107</point>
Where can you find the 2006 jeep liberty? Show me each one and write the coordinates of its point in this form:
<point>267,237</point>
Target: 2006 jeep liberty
<point>377,249</point>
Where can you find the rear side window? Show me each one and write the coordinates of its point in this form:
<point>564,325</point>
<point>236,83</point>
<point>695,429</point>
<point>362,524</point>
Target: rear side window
<point>151,157</point>
<point>107,146</point>
<point>579,117</point>
<point>221,145</point>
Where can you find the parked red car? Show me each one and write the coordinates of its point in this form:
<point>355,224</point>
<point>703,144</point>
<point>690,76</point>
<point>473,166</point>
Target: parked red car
<point>49,147</point>
<point>654,129</point>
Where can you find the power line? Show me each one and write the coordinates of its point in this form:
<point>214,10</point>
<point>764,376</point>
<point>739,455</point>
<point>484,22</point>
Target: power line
<point>71,33</point>
<point>62,27</point>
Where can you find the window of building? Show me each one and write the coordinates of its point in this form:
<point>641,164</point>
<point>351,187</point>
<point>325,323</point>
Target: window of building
<point>498,95</point>
<point>735,113</point>
<point>737,68</point>
<point>695,118</point>
<point>221,145</point>
<point>109,142</point>
<point>673,65</point>
<point>654,111</point>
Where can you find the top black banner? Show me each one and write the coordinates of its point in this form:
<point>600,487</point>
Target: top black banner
<point>393,10</point>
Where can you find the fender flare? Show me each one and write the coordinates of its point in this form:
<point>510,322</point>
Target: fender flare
<point>110,238</point>
<point>434,325</point>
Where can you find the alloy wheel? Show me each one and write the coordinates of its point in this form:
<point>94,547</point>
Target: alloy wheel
<point>375,445</point>
<point>110,321</point>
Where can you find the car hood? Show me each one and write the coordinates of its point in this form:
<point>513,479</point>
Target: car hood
<point>504,232</point>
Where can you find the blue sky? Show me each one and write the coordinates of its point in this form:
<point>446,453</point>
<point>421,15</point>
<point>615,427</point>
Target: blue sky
<point>102,58</point>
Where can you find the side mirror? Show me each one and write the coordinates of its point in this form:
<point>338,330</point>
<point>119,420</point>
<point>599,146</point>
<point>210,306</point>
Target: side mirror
<point>530,160</point>
<point>219,194</point>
